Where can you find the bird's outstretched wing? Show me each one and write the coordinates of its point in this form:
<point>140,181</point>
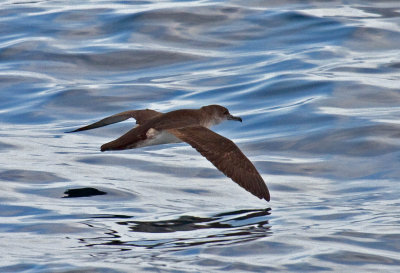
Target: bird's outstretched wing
<point>129,140</point>
<point>141,116</point>
<point>226,156</point>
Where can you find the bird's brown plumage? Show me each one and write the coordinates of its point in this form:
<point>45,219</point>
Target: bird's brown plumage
<point>226,156</point>
<point>141,116</point>
<point>190,125</point>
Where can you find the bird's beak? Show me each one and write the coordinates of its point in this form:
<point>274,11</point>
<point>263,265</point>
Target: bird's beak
<point>230,117</point>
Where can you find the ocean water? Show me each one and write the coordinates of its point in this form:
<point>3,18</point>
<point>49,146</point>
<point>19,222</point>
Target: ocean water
<point>317,84</point>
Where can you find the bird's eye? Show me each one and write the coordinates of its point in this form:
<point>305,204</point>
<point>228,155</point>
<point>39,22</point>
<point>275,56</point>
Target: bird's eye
<point>226,112</point>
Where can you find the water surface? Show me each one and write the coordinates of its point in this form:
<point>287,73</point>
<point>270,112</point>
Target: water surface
<point>317,86</point>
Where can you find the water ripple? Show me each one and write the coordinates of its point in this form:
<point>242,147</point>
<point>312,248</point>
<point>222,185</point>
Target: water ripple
<point>316,85</point>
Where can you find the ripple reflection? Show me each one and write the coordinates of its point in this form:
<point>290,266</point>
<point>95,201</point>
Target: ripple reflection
<point>185,231</point>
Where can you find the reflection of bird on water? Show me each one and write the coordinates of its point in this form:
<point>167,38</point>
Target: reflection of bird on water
<point>185,231</point>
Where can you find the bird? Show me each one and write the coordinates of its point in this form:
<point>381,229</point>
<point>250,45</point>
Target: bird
<point>190,126</point>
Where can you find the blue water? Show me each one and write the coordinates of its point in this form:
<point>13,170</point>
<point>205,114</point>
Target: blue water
<point>317,84</point>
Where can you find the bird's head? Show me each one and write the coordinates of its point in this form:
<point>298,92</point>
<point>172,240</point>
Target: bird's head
<point>217,113</point>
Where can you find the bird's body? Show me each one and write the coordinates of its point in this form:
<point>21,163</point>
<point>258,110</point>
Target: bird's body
<point>191,126</point>
<point>155,137</point>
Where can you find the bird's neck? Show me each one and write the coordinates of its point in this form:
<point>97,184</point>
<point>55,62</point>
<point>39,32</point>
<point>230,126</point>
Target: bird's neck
<point>208,120</point>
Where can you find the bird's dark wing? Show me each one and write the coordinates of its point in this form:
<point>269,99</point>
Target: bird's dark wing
<point>226,156</point>
<point>141,116</point>
<point>129,140</point>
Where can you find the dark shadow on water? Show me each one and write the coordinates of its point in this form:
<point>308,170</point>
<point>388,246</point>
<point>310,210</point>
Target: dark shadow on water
<point>83,192</point>
<point>187,231</point>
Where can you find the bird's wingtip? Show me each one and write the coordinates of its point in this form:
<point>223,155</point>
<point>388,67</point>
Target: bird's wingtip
<point>105,147</point>
<point>266,197</point>
<point>73,131</point>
